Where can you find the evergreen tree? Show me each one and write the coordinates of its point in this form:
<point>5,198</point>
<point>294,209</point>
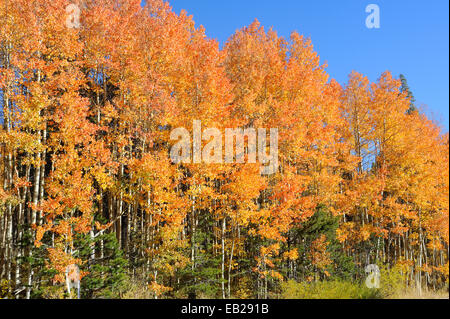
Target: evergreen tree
<point>405,88</point>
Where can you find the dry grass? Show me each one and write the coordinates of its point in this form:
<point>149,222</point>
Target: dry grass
<point>413,294</point>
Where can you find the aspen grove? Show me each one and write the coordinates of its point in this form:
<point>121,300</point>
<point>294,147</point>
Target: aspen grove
<point>86,175</point>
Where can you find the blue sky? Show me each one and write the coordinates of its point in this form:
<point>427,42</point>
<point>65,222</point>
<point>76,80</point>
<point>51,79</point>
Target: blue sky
<point>413,38</point>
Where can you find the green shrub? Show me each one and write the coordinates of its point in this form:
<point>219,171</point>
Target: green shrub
<point>5,289</point>
<point>392,282</point>
<point>328,290</point>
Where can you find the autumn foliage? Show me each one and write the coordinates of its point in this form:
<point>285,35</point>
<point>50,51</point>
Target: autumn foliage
<point>85,142</point>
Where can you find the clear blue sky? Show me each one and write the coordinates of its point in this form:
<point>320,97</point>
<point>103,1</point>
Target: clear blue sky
<point>413,38</point>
